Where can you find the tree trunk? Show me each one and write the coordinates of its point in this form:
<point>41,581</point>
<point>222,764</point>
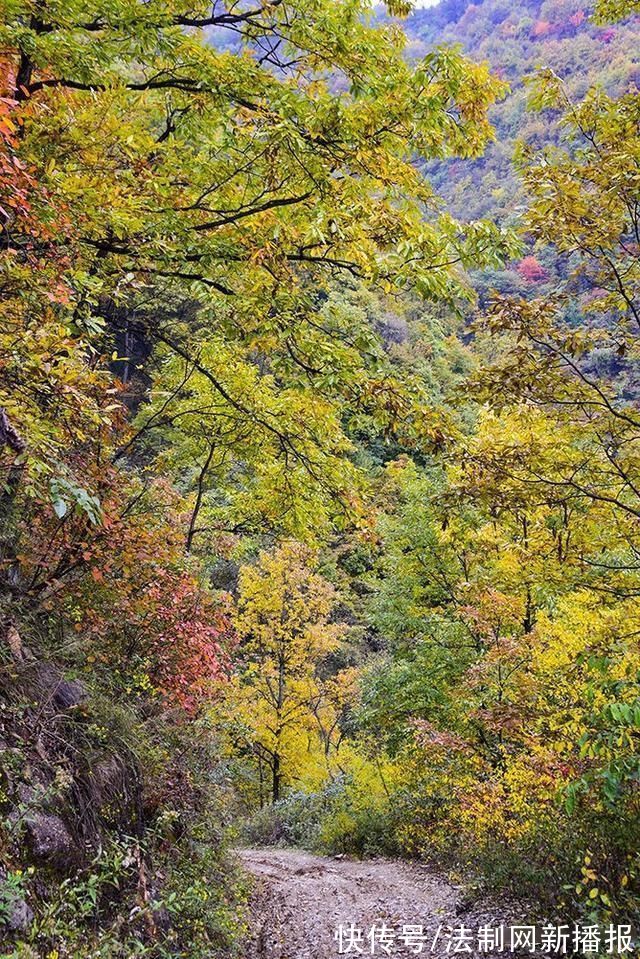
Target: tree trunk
<point>276,777</point>
<point>10,437</point>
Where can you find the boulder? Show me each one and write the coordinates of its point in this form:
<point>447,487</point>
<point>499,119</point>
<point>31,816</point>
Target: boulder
<point>50,839</point>
<point>17,914</point>
<point>69,693</point>
<point>62,693</point>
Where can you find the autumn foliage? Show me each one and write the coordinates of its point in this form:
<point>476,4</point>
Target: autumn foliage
<point>531,271</point>
<point>318,506</point>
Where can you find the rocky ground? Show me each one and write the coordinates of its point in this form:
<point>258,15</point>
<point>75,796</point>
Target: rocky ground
<point>312,907</point>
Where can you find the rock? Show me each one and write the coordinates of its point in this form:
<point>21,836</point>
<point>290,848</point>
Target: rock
<point>15,643</point>
<point>20,916</point>
<point>63,693</point>
<point>69,693</point>
<point>50,838</point>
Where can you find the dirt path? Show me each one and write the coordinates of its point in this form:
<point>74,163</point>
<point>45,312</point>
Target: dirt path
<point>300,901</point>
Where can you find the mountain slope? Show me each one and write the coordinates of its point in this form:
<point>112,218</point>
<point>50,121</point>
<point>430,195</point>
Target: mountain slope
<point>518,40</point>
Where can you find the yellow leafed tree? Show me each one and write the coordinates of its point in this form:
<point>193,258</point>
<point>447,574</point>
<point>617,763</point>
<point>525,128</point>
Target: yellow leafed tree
<point>277,707</point>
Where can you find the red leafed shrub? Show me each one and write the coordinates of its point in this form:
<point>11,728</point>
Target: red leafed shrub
<point>188,635</point>
<point>432,739</point>
<point>17,183</point>
<point>531,271</point>
<point>125,584</point>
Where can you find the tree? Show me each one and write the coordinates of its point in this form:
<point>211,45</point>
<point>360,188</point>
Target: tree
<point>275,704</point>
<point>584,199</point>
<point>530,549</point>
<point>215,194</point>
<point>584,203</point>
<point>607,10</point>
<point>531,271</point>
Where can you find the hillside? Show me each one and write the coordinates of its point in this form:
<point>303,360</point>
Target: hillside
<point>518,40</point>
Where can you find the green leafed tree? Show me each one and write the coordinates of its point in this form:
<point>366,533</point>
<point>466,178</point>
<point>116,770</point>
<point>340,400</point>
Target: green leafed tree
<point>221,166</point>
<point>607,10</point>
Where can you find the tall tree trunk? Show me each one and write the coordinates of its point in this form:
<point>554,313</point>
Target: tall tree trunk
<point>276,777</point>
<point>199,494</point>
<point>277,774</point>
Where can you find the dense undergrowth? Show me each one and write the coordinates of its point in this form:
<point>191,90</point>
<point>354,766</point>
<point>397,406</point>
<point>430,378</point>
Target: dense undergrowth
<point>112,836</point>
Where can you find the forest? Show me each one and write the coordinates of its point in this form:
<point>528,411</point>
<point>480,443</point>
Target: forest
<point>319,458</point>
